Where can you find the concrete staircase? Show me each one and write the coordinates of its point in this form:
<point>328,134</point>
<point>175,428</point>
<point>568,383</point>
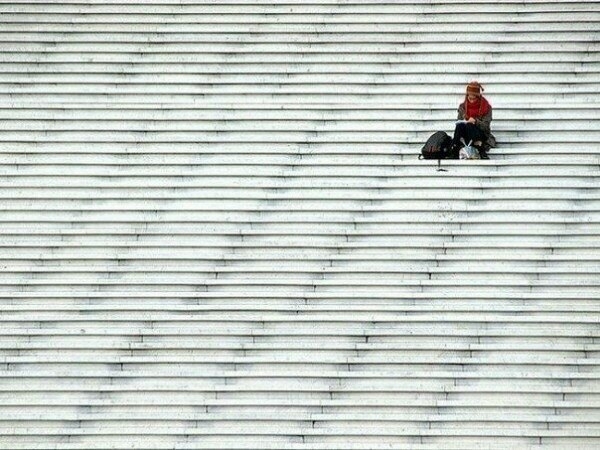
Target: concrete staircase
<point>215,232</point>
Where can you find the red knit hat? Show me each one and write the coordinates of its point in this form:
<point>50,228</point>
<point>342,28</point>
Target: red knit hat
<point>474,88</point>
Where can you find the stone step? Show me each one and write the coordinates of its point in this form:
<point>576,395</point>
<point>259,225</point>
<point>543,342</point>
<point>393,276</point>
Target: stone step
<point>217,233</point>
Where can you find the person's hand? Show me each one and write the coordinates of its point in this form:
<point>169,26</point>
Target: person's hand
<point>471,120</point>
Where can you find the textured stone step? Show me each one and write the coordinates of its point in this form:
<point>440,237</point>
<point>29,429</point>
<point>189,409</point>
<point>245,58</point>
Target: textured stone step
<point>216,232</point>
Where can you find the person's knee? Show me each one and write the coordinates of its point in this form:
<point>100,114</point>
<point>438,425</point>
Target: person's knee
<point>460,129</point>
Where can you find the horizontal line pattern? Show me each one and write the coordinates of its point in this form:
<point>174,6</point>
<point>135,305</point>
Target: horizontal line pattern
<point>216,232</point>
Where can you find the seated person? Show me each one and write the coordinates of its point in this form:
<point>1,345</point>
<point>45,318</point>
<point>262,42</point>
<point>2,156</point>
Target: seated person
<point>475,114</point>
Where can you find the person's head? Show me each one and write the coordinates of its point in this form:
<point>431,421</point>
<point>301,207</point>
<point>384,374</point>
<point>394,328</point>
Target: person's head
<point>474,90</point>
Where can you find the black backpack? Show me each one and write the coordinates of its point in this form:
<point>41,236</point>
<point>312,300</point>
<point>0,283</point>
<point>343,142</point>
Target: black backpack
<point>438,146</point>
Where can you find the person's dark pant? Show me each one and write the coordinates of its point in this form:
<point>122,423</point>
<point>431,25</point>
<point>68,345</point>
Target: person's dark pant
<point>469,132</point>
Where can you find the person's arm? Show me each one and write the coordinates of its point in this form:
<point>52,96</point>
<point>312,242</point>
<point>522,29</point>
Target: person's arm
<point>484,122</point>
<point>461,112</point>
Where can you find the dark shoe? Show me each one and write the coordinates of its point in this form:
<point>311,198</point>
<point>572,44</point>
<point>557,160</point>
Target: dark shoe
<point>482,152</point>
<point>453,152</point>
